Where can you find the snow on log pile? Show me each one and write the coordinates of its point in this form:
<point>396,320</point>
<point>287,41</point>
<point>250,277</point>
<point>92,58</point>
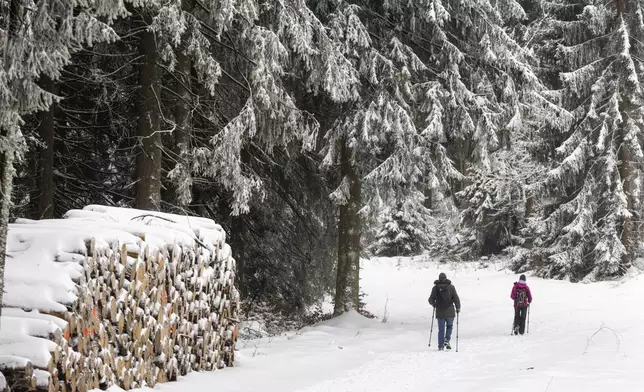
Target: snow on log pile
<point>114,296</point>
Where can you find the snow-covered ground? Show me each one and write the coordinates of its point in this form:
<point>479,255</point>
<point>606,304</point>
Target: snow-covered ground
<point>583,337</point>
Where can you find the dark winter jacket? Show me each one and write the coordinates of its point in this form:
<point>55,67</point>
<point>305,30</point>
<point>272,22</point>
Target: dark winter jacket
<point>449,311</point>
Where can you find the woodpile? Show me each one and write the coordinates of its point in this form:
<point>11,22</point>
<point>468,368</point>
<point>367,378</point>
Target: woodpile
<point>149,296</point>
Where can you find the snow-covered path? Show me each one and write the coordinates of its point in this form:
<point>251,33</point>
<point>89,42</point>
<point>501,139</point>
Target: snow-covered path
<point>355,354</point>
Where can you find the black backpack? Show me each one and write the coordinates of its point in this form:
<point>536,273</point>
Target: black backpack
<point>521,297</point>
<point>443,297</point>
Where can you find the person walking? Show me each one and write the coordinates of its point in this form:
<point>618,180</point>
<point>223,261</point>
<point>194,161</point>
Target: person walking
<point>522,298</point>
<point>446,303</point>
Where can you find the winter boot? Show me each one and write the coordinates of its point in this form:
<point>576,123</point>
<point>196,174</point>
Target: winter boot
<point>447,346</point>
<point>440,348</point>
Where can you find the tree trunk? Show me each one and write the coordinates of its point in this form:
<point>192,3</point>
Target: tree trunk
<point>529,202</point>
<point>622,6</point>
<point>237,230</point>
<point>347,293</point>
<point>460,157</point>
<point>178,190</point>
<point>182,109</point>
<point>6,176</point>
<point>7,156</point>
<point>626,173</point>
<point>626,170</point>
<point>46,129</point>
<point>182,134</point>
<point>429,198</point>
<point>341,272</point>
<point>149,159</point>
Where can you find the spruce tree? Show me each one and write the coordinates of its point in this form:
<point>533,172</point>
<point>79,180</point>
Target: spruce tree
<point>36,42</point>
<point>591,230</point>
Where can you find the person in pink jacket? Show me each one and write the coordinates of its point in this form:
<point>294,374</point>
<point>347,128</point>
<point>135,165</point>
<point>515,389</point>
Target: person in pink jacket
<point>522,298</point>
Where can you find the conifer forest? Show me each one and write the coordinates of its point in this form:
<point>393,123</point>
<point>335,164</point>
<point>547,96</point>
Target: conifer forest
<point>317,133</point>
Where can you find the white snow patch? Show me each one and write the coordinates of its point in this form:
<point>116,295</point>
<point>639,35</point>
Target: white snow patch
<point>12,362</point>
<point>36,350</point>
<point>42,378</point>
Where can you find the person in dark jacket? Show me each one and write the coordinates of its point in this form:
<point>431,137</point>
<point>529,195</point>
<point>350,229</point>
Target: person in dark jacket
<point>444,298</point>
<point>522,298</point>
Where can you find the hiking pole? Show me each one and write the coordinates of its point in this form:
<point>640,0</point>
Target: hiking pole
<point>431,329</point>
<point>528,331</point>
<point>513,322</point>
<point>457,331</point>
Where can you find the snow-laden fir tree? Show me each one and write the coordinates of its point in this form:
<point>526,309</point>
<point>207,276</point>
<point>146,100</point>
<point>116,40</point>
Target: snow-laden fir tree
<point>403,229</point>
<point>170,38</point>
<point>376,143</point>
<point>283,41</point>
<point>591,228</point>
<point>275,55</point>
<point>498,105</point>
<point>485,74</point>
<point>202,23</point>
<point>441,82</point>
<point>36,42</point>
<point>122,102</point>
<point>496,205</point>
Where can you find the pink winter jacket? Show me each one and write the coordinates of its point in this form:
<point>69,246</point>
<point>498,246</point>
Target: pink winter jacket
<point>522,284</point>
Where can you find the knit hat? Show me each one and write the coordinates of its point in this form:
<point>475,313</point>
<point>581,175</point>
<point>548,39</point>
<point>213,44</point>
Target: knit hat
<point>522,277</point>
<point>442,276</point>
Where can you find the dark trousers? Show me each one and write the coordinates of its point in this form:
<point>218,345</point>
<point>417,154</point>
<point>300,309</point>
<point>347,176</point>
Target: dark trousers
<point>445,326</point>
<point>519,320</point>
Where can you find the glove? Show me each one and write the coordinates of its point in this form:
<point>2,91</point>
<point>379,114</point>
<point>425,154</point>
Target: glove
<point>458,310</point>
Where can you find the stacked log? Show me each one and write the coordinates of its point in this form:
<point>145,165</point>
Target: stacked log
<point>153,300</point>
